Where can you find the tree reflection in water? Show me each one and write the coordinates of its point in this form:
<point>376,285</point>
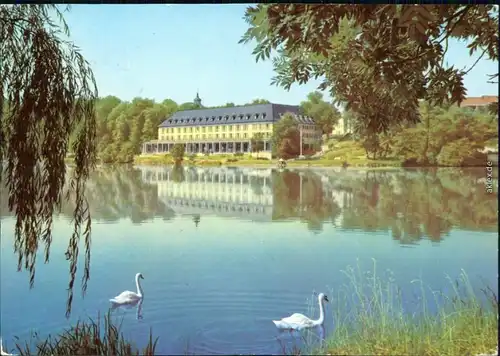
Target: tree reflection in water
<point>417,204</point>
<point>116,193</point>
<point>301,196</point>
<point>409,204</point>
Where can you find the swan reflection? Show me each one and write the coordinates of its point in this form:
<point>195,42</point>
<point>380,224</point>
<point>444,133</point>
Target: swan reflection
<point>321,334</point>
<point>130,305</point>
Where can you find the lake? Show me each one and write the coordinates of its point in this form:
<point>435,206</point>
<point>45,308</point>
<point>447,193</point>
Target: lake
<point>224,251</point>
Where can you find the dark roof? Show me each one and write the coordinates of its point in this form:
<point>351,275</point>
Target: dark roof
<point>262,113</point>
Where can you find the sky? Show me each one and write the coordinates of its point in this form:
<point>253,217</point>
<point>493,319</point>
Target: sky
<point>173,51</point>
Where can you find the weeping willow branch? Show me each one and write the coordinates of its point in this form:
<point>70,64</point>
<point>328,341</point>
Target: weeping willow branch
<point>47,90</point>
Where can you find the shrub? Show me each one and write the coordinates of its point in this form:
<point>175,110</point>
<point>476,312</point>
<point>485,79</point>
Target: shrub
<point>238,154</point>
<point>178,152</point>
<point>458,152</point>
<point>476,159</point>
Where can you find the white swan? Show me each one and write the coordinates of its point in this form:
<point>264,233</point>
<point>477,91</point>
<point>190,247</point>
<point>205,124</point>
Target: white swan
<point>299,321</point>
<point>2,352</point>
<point>128,297</point>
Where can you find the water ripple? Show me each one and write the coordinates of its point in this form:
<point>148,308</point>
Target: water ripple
<point>219,322</point>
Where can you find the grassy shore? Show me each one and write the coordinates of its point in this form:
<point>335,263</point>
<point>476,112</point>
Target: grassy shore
<point>370,318</point>
<point>377,324</point>
<point>247,160</point>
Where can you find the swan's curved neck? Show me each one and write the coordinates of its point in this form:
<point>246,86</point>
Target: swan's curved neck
<point>321,319</point>
<point>138,284</point>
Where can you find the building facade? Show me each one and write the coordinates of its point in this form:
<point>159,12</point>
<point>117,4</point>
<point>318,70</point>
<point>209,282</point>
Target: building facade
<point>343,127</point>
<point>227,129</point>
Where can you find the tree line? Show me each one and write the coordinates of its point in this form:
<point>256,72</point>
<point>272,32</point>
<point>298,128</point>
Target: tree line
<point>446,136</point>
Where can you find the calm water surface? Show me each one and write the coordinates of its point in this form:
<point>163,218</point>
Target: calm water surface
<point>224,251</point>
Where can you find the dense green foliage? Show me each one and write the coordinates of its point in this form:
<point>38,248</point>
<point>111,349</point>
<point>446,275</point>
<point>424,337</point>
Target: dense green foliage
<point>324,114</point>
<point>257,142</point>
<point>178,153</point>
<point>449,136</point>
<point>286,137</point>
<point>367,58</point>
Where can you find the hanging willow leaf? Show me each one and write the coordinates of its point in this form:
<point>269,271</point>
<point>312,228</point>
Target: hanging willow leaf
<point>47,90</point>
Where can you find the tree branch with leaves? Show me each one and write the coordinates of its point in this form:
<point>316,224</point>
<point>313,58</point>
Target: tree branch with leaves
<point>364,57</point>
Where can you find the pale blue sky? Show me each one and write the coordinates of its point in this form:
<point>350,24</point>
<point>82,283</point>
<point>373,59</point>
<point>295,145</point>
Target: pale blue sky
<point>160,51</point>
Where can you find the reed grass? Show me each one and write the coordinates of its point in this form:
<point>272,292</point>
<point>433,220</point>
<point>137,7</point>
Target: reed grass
<point>87,338</point>
<point>371,319</point>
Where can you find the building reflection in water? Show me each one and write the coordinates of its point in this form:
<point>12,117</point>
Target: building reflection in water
<point>241,193</point>
<point>220,191</point>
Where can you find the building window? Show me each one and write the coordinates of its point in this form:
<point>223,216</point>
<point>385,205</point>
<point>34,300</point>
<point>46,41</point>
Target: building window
<point>216,129</point>
<point>223,135</point>
<point>245,135</point>
<point>237,127</point>
<point>230,135</point>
